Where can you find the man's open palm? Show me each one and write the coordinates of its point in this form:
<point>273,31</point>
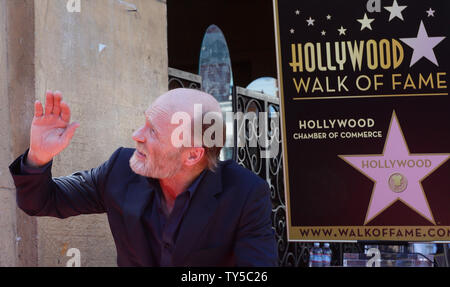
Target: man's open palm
<point>51,131</point>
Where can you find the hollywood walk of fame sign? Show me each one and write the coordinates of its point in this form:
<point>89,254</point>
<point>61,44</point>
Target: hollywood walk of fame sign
<point>365,119</point>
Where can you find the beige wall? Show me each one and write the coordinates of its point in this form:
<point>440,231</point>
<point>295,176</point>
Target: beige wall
<point>17,231</point>
<point>109,63</point>
<point>7,200</point>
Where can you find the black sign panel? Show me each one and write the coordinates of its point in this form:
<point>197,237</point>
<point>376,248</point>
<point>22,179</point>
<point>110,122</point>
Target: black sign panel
<point>365,118</point>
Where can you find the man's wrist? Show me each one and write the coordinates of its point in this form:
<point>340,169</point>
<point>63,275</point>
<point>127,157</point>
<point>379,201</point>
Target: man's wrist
<point>32,161</point>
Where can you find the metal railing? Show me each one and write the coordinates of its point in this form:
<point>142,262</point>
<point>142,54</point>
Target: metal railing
<point>181,79</point>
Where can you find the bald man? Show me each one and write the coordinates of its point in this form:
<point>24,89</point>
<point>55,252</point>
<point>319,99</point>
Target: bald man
<point>167,204</point>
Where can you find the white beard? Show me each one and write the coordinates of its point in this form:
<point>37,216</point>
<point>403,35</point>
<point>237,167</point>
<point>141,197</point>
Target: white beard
<point>151,169</point>
<point>138,166</point>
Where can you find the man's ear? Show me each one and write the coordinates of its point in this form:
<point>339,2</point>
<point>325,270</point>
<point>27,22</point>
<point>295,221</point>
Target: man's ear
<point>194,156</point>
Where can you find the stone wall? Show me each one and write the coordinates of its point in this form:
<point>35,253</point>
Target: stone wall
<point>8,251</point>
<point>110,62</point>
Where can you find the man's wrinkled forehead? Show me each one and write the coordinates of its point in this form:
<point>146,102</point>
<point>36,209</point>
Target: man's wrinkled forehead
<point>157,111</point>
<point>160,115</point>
<point>166,110</point>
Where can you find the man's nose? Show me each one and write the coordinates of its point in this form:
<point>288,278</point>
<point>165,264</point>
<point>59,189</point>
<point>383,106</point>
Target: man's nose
<point>138,135</point>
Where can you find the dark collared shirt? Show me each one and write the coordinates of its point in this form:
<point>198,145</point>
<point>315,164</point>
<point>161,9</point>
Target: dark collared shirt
<point>164,227</point>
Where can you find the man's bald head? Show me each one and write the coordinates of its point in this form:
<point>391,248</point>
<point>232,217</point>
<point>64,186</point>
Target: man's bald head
<point>184,100</point>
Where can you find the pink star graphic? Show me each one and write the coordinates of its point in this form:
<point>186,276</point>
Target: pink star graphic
<point>397,174</point>
<point>423,45</point>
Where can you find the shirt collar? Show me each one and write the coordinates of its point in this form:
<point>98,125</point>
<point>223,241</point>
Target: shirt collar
<point>154,183</point>
<point>194,185</point>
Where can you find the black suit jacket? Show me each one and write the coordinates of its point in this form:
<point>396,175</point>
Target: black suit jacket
<point>228,222</point>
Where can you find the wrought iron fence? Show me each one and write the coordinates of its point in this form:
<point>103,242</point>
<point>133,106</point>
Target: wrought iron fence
<point>182,79</point>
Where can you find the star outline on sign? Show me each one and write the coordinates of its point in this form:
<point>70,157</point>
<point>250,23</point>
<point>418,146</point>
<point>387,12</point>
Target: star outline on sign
<point>423,45</point>
<point>430,12</point>
<point>395,11</point>
<point>342,31</point>
<point>390,202</point>
<point>310,21</point>
<point>365,22</point>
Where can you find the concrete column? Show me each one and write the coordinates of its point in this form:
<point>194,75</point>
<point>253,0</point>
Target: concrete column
<point>17,231</point>
<point>7,196</point>
<point>110,62</point>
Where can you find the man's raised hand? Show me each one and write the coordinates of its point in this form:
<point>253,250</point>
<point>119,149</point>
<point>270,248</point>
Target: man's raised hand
<point>51,131</point>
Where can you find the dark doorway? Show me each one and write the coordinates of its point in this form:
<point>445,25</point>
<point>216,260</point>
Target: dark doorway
<point>248,28</point>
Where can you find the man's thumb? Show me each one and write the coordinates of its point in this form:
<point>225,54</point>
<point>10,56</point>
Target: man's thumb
<point>70,131</point>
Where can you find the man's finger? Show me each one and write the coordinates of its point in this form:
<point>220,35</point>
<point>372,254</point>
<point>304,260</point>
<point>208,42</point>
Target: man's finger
<point>65,112</point>
<point>38,109</point>
<point>56,103</point>
<point>48,103</point>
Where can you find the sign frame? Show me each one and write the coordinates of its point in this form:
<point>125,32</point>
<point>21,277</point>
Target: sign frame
<point>421,232</point>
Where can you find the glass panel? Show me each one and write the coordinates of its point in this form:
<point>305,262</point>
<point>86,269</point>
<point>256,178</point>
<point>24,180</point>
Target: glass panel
<point>215,65</point>
<point>217,78</point>
<point>265,85</point>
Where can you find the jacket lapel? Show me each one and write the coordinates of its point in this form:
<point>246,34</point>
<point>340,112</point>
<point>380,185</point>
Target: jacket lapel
<point>202,206</point>
<point>139,195</point>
